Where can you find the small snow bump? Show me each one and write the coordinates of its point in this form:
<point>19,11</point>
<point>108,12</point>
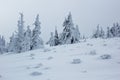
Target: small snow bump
<point>76,61</point>
<point>31,58</point>
<point>105,56</point>
<point>93,52</point>
<point>119,48</point>
<point>46,50</point>
<point>104,44</point>
<point>84,71</point>
<point>49,58</point>
<point>36,73</point>
<point>89,44</point>
<point>27,67</point>
<point>0,76</point>
<point>38,66</point>
<point>54,51</point>
<point>31,55</point>
<point>118,62</point>
<point>46,68</point>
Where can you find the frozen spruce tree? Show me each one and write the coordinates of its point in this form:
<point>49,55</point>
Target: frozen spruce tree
<point>2,45</point>
<point>77,33</point>
<point>102,33</point>
<point>37,41</point>
<point>97,32</point>
<point>108,35</point>
<point>69,32</point>
<point>20,35</point>
<point>28,38</point>
<point>115,30</point>
<point>51,41</point>
<point>118,29</point>
<point>17,43</point>
<point>56,38</point>
<point>11,44</point>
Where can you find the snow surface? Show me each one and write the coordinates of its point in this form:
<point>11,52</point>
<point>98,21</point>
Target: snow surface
<point>80,61</point>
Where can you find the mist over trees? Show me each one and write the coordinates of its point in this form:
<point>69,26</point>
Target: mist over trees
<point>26,39</point>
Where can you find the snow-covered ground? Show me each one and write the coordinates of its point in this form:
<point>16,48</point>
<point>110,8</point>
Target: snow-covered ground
<point>82,61</point>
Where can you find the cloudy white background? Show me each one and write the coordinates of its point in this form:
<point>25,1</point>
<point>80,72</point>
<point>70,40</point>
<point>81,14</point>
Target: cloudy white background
<point>86,13</point>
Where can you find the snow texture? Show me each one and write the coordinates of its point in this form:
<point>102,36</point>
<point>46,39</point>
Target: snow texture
<point>54,63</point>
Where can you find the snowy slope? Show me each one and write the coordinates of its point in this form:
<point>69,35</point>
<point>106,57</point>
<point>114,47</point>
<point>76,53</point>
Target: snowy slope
<point>80,61</point>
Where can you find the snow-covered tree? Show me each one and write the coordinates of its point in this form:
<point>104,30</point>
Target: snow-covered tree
<point>28,39</point>
<point>17,43</point>
<point>96,33</point>
<point>68,34</point>
<point>2,45</point>
<point>51,41</point>
<point>108,35</point>
<point>83,37</point>
<point>102,33</point>
<point>118,29</point>
<point>20,35</point>
<point>77,33</point>
<point>17,40</point>
<point>115,30</point>
<point>12,45</point>
<point>56,38</point>
<point>99,33</point>
<point>37,41</point>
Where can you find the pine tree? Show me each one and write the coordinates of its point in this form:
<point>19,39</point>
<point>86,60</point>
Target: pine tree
<point>37,42</point>
<point>102,33</point>
<point>28,38</point>
<point>2,45</point>
<point>97,33</point>
<point>77,33</point>
<point>109,35</point>
<point>20,35</point>
<point>68,34</point>
<point>51,41</point>
<point>115,30</point>
<point>17,40</point>
<point>56,38</point>
<point>12,44</point>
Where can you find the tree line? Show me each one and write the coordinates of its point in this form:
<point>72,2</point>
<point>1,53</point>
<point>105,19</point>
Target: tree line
<point>25,40</point>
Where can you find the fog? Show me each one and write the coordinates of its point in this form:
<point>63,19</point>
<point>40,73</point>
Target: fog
<point>86,13</point>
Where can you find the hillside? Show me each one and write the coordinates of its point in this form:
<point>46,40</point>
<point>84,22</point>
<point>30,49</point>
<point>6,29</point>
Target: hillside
<point>94,59</point>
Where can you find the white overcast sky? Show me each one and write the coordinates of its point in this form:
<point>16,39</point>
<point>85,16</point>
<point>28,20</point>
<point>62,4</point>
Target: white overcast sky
<point>86,13</point>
